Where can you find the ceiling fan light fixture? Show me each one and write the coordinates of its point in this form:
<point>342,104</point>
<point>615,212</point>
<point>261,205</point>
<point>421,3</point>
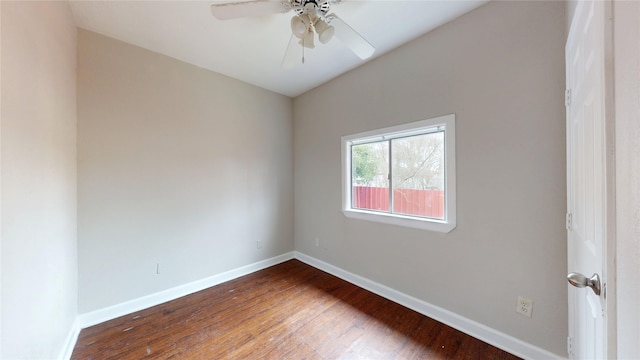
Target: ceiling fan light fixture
<point>307,40</point>
<point>299,26</point>
<point>324,30</point>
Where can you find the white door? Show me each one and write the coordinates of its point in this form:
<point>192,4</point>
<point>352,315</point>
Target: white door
<point>587,168</point>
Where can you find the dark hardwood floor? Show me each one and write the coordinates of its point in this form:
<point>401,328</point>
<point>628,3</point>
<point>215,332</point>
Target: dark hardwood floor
<point>288,311</point>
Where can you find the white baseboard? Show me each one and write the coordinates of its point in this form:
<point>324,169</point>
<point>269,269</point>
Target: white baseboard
<point>70,341</point>
<point>470,327</point>
<point>109,313</point>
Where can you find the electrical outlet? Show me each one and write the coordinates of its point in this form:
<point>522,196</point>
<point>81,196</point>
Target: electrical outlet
<point>524,306</point>
<point>259,244</point>
<point>317,242</point>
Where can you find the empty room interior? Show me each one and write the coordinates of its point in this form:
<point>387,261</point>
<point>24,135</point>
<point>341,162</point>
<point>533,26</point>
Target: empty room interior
<point>153,152</point>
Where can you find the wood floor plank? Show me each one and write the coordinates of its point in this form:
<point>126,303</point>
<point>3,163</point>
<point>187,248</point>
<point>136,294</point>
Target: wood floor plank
<point>288,311</point>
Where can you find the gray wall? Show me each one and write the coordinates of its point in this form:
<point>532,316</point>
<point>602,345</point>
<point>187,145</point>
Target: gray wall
<point>39,246</point>
<point>178,166</point>
<point>500,69</point>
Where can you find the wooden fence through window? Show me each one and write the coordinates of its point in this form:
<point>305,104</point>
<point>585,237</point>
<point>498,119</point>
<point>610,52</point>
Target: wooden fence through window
<point>427,203</point>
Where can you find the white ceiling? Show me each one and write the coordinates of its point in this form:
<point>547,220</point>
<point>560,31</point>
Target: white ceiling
<point>252,49</point>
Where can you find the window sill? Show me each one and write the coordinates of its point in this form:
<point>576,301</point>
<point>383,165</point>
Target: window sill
<point>399,220</point>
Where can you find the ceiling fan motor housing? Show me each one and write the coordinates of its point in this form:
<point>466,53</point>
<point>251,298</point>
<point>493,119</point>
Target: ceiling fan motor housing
<point>315,7</point>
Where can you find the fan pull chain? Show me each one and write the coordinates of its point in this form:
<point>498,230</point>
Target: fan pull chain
<point>303,50</point>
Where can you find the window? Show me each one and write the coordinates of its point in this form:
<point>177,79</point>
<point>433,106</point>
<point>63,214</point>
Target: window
<point>403,175</point>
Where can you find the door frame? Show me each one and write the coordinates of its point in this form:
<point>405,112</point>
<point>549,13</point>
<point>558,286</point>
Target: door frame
<point>609,258</point>
<point>627,73</point>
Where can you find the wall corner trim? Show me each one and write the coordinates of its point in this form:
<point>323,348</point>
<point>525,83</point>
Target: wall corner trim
<point>109,313</point>
<point>70,341</point>
<point>470,327</point>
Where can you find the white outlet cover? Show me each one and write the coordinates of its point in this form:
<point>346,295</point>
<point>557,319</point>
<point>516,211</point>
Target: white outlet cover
<point>524,306</point>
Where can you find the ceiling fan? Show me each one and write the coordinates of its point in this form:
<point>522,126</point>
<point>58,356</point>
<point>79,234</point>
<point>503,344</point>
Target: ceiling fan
<point>311,18</point>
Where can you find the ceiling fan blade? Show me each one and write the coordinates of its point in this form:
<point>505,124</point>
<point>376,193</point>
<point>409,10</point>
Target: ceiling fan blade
<point>354,41</point>
<point>291,55</point>
<point>249,9</point>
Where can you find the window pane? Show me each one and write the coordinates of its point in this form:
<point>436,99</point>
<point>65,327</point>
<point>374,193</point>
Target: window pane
<point>418,175</point>
<point>369,176</point>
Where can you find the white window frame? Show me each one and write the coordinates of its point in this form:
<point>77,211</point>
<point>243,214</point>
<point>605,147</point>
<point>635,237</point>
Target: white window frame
<point>446,122</point>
